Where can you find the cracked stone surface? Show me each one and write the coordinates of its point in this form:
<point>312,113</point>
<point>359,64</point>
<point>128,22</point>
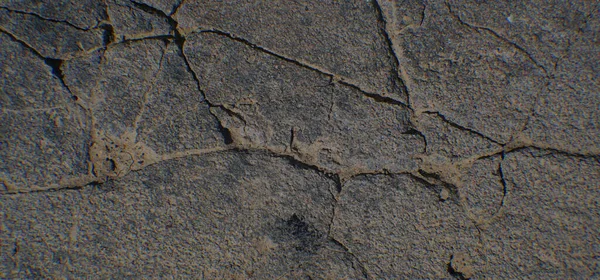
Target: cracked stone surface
<point>306,139</point>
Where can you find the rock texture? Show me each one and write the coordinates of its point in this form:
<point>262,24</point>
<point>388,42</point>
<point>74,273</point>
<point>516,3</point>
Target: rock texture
<point>308,139</point>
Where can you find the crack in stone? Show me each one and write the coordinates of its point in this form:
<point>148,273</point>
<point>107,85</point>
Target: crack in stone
<point>414,131</point>
<point>595,154</point>
<point>377,97</point>
<point>56,64</point>
<point>503,181</point>
<point>145,97</point>
<point>151,10</point>
<point>176,7</point>
<point>53,63</point>
<point>390,45</point>
<point>363,268</point>
<point>423,14</point>
<point>460,127</point>
<point>50,19</point>
<point>335,77</point>
<point>497,35</point>
<point>22,42</point>
<point>29,110</point>
<point>155,37</point>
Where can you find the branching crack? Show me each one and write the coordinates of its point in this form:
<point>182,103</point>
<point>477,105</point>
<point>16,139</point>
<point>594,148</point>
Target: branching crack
<point>53,63</point>
<point>227,137</point>
<point>179,40</point>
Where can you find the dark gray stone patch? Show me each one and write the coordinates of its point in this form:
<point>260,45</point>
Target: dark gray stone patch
<point>192,216</point>
<point>483,189</point>
<point>562,38</point>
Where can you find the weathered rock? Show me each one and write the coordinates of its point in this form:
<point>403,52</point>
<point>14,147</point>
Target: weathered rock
<point>546,228</point>
<point>266,101</point>
<point>134,20</point>
<point>258,214</point>
<point>345,39</point>
<point>470,75</point>
<point>398,227</point>
<point>43,133</point>
<point>280,140</point>
<point>51,39</point>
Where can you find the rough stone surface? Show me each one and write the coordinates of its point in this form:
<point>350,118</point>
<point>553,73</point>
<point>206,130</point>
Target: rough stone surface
<point>82,14</point>
<point>343,38</point>
<point>551,208</point>
<point>399,228</point>
<point>133,20</point>
<point>51,39</point>
<point>305,139</point>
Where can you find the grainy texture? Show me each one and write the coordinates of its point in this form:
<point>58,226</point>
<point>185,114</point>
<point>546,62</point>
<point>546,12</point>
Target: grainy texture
<point>310,139</point>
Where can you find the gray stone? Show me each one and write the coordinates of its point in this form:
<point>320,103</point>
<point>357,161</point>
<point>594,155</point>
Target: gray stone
<point>51,39</point>
<point>547,228</point>
<point>341,38</point>
<point>43,133</point>
<point>398,227</point>
<point>279,140</point>
<point>132,20</point>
